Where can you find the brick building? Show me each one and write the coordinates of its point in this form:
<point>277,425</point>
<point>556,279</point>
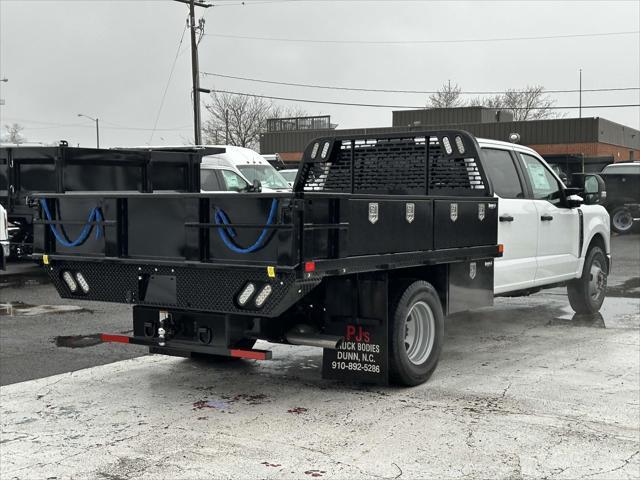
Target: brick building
<point>573,144</point>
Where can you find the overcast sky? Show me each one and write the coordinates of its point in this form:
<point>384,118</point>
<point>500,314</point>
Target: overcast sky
<point>112,59</point>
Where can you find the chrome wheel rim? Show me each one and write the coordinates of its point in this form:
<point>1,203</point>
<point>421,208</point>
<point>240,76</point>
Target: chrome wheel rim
<point>420,329</point>
<point>597,280</point>
<point>622,220</point>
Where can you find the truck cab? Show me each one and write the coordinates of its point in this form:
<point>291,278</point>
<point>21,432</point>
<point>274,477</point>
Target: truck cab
<point>551,237</point>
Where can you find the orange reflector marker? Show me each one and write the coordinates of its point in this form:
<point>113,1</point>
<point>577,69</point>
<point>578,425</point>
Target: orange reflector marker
<point>251,354</point>
<point>106,337</point>
<point>310,267</point>
<point>500,248</point>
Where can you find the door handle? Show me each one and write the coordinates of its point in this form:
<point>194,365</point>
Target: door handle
<point>546,218</point>
<point>506,218</point>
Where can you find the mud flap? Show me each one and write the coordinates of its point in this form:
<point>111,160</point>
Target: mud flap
<point>363,356</point>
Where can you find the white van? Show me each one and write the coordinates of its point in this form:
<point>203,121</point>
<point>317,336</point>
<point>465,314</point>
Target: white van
<point>249,164</point>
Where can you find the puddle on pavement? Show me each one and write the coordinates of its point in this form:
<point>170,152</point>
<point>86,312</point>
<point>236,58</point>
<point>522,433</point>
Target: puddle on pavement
<point>81,341</point>
<point>20,309</point>
<point>77,341</point>
<point>23,280</point>
<point>630,288</point>
<point>614,313</point>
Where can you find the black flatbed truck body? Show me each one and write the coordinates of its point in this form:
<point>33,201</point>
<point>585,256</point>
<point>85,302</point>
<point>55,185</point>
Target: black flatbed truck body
<point>25,170</point>
<point>364,213</point>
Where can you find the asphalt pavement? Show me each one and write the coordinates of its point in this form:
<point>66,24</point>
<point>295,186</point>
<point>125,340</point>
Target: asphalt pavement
<point>38,338</point>
<point>524,389</point>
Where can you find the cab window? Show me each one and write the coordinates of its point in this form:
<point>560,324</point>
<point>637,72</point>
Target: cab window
<point>543,183</point>
<point>209,181</point>
<point>234,182</point>
<point>622,169</point>
<point>502,172</point>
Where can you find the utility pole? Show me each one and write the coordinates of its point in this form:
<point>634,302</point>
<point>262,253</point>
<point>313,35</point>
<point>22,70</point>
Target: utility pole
<point>580,99</point>
<point>195,71</point>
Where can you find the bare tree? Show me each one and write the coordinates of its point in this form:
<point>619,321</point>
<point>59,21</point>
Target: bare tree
<point>532,103</point>
<point>14,134</point>
<point>239,120</point>
<point>495,101</point>
<point>448,96</point>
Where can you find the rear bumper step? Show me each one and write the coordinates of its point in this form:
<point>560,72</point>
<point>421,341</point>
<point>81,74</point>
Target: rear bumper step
<point>176,346</point>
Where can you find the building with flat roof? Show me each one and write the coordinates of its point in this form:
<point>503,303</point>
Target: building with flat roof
<point>573,144</point>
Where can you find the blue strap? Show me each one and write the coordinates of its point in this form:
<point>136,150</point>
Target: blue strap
<point>94,215</point>
<point>227,233</point>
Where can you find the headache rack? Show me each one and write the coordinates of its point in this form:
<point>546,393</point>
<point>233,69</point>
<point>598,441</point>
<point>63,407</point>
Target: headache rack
<point>443,163</point>
<point>360,204</point>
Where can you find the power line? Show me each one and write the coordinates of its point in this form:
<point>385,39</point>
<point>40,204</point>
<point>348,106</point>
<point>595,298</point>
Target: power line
<point>388,90</point>
<point>419,42</point>
<point>166,88</point>
<point>377,105</point>
<point>113,127</point>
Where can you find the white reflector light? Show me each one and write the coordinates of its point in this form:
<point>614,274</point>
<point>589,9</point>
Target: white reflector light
<point>325,150</point>
<point>84,285</point>
<point>263,295</point>
<point>68,279</point>
<point>246,293</point>
<point>314,152</point>
<point>460,145</point>
<point>447,145</point>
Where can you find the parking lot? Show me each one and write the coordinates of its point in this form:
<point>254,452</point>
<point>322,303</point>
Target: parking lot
<point>523,389</point>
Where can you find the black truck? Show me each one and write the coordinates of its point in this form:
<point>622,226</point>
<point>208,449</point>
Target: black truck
<point>382,236</point>
<point>622,181</point>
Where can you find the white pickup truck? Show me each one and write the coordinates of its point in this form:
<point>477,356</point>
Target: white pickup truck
<point>550,236</point>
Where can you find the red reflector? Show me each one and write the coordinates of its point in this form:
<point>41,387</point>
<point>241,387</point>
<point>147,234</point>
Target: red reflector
<point>105,337</point>
<point>252,354</point>
<point>310,267</point>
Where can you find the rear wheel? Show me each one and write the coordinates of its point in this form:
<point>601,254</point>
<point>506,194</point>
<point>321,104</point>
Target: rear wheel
<point>621,220</point>
<point>416,333</point>
<point>587,293</point>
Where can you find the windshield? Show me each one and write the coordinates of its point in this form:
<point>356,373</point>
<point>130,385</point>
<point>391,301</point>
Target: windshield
<point>268,176</point>
<point>289,175</point>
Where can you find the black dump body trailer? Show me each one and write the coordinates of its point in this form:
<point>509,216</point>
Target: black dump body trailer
<point>26,170</point>
<point>211,273</point>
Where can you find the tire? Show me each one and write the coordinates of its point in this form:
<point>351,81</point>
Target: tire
<point>587,293</point>
<point>245,343</point>
<point>621,220</point>
<point>416,333</point>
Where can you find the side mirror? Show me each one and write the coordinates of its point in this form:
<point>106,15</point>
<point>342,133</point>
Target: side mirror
<point>573,200</point>
<point>592,187</point>
<point>257,186</point>
<point>594,190</point>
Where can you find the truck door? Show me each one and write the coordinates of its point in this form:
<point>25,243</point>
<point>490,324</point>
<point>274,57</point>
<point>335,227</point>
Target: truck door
<point>518,225</point>
<point>558,232</point>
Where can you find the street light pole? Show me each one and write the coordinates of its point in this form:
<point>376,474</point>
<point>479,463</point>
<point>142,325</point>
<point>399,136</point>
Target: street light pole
<point>97,127</point>
<point>3,80</point>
